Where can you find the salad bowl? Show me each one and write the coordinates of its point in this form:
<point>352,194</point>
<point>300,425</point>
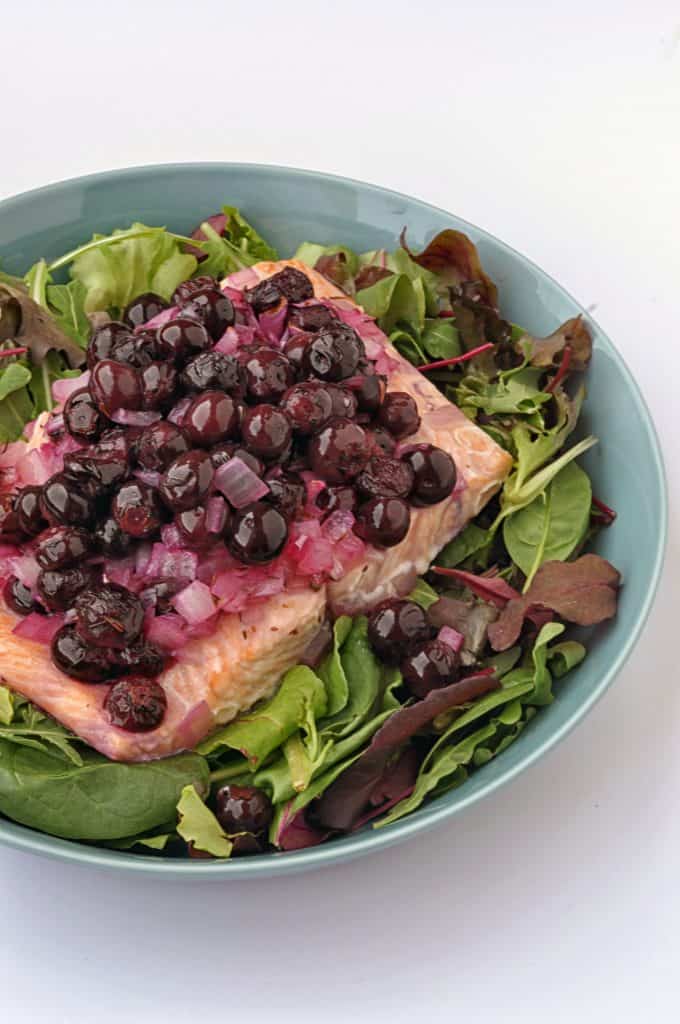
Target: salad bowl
<point>289,207</point>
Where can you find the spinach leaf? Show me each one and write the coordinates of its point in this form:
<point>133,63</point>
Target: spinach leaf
<point>553,525</point>
<point>260,731</point>
<point>16,406</point>
<point>423,594</point>
<point>99,799</point>
<point>406,340</point>
<point>66,303</point>
<point>472,541</point>
<point>392,300</point>
<point>331,671</point>
<point>198,825</point>
<point>440,339</point>
<point>363,674</point>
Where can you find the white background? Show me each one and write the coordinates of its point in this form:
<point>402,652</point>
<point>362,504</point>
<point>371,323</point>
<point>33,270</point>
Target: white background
<point>557,127</point>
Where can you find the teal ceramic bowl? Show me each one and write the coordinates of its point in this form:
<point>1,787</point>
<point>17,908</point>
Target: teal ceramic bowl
<point>289,206</point>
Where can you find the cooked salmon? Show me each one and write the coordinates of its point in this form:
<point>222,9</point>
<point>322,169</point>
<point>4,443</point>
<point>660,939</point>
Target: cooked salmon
<point>241,662</point>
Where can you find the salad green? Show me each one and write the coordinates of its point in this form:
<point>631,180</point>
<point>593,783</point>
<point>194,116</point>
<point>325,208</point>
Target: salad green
<point>318,746</point>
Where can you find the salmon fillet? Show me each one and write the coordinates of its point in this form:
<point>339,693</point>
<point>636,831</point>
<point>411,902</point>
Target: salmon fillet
<point>218,676</point>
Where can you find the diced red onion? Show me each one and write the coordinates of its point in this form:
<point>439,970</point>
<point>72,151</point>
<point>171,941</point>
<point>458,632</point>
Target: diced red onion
<point>171,564</point>
<point>245,278</point>
<point>167,632</point>
<point>228,343</point>
<point>176,414</point>
<point>160,319</point>
<point>9,551</point>
<point>64,388</point>
<point>55,424</point>
<point>26,570</point>
<point>273,322</point>
<point>148,476</point>
<point>239,484</point>
<point>36,466</point>
<point>171,536</point>
<point>39,628</point>
<point>337,525</point>
<point>10,453</point>
<point>195,603</point>
<point>216,514</point>
<point>451,637</point>
<point>135,417</point>
<point>142,558</point>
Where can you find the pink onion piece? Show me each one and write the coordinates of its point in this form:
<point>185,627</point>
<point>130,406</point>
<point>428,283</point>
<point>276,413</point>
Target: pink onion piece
<point>228,343</point>
<point>273,322</point>
<point>55,424</point>
<point>63,389</point>
<point>148,476</point>
<point>245,278</point>
<point>39,628</point>
<point>195,603</point>
<point>451,637</point>
<point>171,564</point>
<point>239,484</point>
<point>216,514</point>
<point>158,320</point>
<point>176,414</point>
<point>167,632</point>
<point>135,417</point>
<point>26,570</point>
<point>38,465</point>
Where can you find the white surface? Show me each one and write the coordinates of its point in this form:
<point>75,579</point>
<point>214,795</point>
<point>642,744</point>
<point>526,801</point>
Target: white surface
<point>556,126</point>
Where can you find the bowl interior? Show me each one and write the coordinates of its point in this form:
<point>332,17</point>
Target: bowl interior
<point>289,207</point>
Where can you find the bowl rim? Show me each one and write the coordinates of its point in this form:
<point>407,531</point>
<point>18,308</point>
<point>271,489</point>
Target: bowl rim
<point>23,838</point>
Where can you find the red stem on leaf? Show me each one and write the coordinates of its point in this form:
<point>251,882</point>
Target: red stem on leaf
<point>608,514</point>
<point>442,363</point>
<point>445,313</point>
<point>4,353</point>
<point>562,372</point>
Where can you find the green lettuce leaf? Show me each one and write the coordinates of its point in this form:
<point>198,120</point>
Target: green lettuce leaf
<point>331,669</point>
<point>198,825</point>
<point>363,673</point>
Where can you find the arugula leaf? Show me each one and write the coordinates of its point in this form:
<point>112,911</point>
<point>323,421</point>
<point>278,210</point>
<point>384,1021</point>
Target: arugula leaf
<point>509,724</point>
<point>198,825</point>
<point>243,235</point>
<point>142,260</point>
<point>260,731</point>
<point>99,799</point>
<point>553,525</point>
<point>30,727</point>
<point>331,670</point>
<point>514,392</point>
<point>66,303</point>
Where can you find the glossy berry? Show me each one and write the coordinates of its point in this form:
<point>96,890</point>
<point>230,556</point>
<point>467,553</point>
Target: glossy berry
<point>268,374</point>
<point>97,465</point>
<point>77,659</point>
<point>193,526</point>
<point>58,588</point>
<point>312,318</point>
<point>82,418</point>
<point>187,480</point>
<point>338,499</point>
<point>102,341</point>
<point>263,296</point>
<point>9,523</point>
<point>385,477</point>
<point>266,432</point>
<point>287,492</point>
<point>257,533</point>
<point>115,386</point>
<point>294,349</point>
<point>64,502</point>
<point>395,627</point>
<point>137,350</point>
<point>27,508</point>
<point>18,597</point>
<point>344,401</point>
<point>159,444</point>
<point>136,704</point>
<point>222,453</point>
<point>183,337</point>
<point>243,809</point>
<point>369,391</point>
<point>333,353</point>
<point>136,509</point>
<point>62,546</point>
<point>339,451</point>
<point>109,616</point>
<point>184,291</point>
<point>308,405</point>
<point>293,284</point>
<point>399,414</point>
<point>159,383</point>
<point>143,308</point>
<point>212,416</point>
<point>431,665</point>
<point>382,441</point>
<point>214,370</point>
<point>110,540</point>
<point>140,659</point>
<point>383,522</point>
<point>211,308</point>
<point>434,473</point>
